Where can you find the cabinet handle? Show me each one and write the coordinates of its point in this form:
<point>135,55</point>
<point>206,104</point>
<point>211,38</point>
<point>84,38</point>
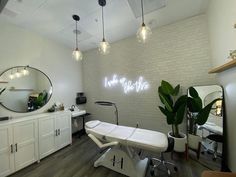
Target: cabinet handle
<point>56,132</point>
<point>16,147</point>
<point>11,148</point>
<point>59,131</point>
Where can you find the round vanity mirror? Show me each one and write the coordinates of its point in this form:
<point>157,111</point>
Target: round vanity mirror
<point>24,89</point>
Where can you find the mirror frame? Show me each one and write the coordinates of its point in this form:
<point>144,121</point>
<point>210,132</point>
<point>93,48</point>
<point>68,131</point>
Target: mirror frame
<point>224,160</point>
<point>36,70</point>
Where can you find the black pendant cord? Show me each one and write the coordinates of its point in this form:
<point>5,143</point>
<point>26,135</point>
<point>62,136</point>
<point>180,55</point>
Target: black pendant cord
<point>103,33</point>
<point>142,12</point>
<point>76,37</point>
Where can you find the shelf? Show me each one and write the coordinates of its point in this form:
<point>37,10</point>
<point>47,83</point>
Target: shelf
<point>13,89</point>
<point>223,67</point>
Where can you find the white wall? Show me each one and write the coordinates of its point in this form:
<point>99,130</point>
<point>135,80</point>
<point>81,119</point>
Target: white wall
<point>221,17</point>
<point>178,53</point>
<point>21,47</point>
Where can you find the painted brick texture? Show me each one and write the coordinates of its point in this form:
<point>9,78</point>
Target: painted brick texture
<point>178,53</point>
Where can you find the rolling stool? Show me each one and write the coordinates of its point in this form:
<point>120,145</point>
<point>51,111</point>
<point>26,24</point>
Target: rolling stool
<point>217,139</point>
<point>162,161</point>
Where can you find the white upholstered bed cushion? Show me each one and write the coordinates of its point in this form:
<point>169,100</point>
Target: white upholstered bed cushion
<point>101,130</point>
<point>148,139</point>
<point>92,123</point>
<point>120,133</point>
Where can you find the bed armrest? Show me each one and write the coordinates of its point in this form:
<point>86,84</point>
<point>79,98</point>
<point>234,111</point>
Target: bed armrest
<point>100,144</point>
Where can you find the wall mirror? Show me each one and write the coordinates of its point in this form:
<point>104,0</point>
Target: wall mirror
<point>208,139</point>
<point>24,89</point>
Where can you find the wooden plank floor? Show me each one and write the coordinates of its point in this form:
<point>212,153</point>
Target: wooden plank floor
<point>77,161</point>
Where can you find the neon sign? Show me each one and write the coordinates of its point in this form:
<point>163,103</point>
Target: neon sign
<point>127,85</point>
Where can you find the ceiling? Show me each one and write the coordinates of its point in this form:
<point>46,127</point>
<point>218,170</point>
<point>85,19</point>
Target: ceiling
<point>53,18</point>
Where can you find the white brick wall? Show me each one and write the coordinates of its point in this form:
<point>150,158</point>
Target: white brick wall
<point>178,53</point>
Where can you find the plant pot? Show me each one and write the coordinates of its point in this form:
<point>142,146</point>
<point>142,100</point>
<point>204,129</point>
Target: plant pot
<point>193,141</point>
<point>179,142</point>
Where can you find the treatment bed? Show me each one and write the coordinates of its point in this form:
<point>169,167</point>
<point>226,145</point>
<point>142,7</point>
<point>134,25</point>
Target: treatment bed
<point>125,144</point>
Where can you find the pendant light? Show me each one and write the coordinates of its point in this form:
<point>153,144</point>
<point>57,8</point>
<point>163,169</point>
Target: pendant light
<point>77,54</point>
<point>104,46</point>
<point>144,32</point>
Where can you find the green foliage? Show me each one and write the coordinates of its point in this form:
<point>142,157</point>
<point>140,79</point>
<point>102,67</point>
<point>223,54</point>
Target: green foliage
<point>174,108</point>
<point>194,105</point>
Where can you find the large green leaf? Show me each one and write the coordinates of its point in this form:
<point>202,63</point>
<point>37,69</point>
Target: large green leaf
<point>180,114</point>
<point>180,101</point>
<point>204,113</point>
<point>193,93</point>
<point>194,104</point>
<point>166,87</point>
<point>169,115</point>
<point>167,101</point>
<point>176,90</point>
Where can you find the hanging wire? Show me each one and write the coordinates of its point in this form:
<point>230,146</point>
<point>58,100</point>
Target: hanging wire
<point>142,11</point>
<point>76,38</point>
<point>103,33</point>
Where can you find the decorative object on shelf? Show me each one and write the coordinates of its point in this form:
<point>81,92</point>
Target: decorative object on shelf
<point>77,54</point>
<point>104,46</point>
<point>144,32</point>
<point>174,110</point>
<point>232,54</point>
<point>223,67</point>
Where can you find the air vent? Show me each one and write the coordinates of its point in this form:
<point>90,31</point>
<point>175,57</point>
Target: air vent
<point>149,6</point>
<point>2,4</point>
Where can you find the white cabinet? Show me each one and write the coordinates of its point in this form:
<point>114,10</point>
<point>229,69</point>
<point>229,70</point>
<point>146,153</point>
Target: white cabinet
<point>25,140</point>
<point>18,146</point>
<point>6,151</point>
<point>25,137</point>
<point>54,133</point>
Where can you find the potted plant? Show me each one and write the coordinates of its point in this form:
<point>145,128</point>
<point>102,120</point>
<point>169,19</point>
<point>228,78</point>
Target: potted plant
<point>174,109</point>
<point>197,115</point>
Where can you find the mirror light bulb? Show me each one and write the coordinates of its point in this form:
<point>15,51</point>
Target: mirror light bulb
<point>25,72</point>
<point>11,76</point>
<point>77,55</point>
<point>104,47</point>
<point>144,33</point>
<point>18,74</point>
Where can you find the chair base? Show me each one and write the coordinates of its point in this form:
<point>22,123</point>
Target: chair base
<point>161,162</point>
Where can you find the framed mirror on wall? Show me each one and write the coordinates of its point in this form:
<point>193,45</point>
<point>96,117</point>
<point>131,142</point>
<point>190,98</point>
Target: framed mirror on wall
<point>24,89</point>
<point>206,136</point>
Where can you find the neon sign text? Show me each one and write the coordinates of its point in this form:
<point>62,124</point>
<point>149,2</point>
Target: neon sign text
<point>127,85</point>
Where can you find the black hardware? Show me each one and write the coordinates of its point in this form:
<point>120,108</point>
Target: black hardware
<point>59,131</point>
<point>114,160</point>
<point>121,165</point>
<point>11,148</point>
<point>16,147</point>
<point>56,132</point>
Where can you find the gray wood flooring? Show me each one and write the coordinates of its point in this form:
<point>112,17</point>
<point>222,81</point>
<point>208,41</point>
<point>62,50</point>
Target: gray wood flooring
<point>77,161</point>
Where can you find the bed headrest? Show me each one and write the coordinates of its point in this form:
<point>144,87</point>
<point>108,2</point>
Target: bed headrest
<point>92,124</point>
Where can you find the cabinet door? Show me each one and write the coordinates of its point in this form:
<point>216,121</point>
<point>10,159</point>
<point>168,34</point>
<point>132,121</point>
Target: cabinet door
<point>46,136</point>
<point>25,137</point>
<point>63,124</point>
<point>6,152</point>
